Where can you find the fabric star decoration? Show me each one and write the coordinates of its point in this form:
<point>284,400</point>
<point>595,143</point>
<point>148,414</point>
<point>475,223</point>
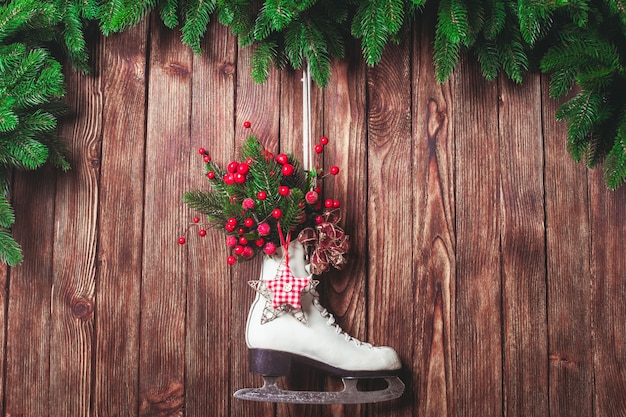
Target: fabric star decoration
<point>286,287</point>
<point>280,285</point>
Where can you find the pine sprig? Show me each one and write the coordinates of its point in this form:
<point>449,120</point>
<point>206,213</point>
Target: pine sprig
<point>197,16</point>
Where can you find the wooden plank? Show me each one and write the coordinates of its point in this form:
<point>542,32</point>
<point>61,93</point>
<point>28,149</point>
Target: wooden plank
<point>345,123</point>
<point>259,104</point>
<point>608,267</point>
<point>568,252</point>
<point>4,302</point>
<point>28,319</point>
<point>209,305</point>
<point>163,290</point>
<point>433,357</point>
<point>75,239</point>
<point>291,141</point>
<point>478,272</point>
<point>122,66</point>
<point>525,342</point>
<point>389,212</point>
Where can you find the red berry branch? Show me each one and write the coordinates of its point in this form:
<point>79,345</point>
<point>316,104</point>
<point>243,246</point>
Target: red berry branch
<point>256,195</point>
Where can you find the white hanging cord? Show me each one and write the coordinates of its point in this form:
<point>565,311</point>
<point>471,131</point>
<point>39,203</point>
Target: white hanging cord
<point>306,118</point>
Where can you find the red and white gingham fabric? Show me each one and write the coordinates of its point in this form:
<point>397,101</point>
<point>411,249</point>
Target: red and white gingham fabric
<point>286,287</point>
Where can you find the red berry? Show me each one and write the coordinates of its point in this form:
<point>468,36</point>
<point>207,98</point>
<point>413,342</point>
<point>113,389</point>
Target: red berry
<point>231,260</point>
<point>201,151</point>
<point>243,168</point>
<point>241,230</point>
<point>238,250</point>
<point>229,179</point>
<point>247,124</point>
<point>276,213</point>
<point>263,229</point>
<point>231,241</point>
<point>259,242</point>
<point>311,197</point>
<point>229,227</point>
<point>249,160</point>
<point>243,241</point>
<point>334,170</point>
<point>270,248</point>
<point>248,222</point>
<point>239,178</point>
<point>287,170</point>
<point>324,140</point>
<point>261,195</point>
<point>283,190</point>
<point>196,219</point>
<point>317,189</point>
<point>319,149</point>
<point>210,175</point>
<point>232,221</point>
<point>232,167</point>
<point>282,159</point>
<point>181,240</point>
<point>247,252</point>
<point>319,220</point>
<point>207,158</point>
<point>248,203</point>
<point>202,232</point>
<point>336,204</point>
<point>328,203</point>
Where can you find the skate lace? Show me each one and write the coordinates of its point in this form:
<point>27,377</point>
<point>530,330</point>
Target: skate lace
<point>330,320</point>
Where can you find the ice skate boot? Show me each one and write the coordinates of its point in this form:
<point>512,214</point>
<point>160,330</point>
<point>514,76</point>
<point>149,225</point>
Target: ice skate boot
<point>279,332</point>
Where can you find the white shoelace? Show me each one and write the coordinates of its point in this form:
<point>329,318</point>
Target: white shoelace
<point>332,322</point>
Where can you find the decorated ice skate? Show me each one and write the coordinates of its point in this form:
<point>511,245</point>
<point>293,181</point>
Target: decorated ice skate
<point>271,206</point>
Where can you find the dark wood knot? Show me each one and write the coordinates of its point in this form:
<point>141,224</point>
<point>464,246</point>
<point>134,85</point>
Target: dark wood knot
<point>82,309</point>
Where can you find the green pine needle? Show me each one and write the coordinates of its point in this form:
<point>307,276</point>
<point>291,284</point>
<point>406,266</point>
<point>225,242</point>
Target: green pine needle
<point>10,251</point>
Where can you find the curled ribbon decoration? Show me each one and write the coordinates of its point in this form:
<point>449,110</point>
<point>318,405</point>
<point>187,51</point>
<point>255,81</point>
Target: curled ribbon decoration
<point>328,241</point>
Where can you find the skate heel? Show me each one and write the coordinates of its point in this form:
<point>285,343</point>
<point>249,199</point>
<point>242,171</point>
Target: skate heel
<point>269,362</point>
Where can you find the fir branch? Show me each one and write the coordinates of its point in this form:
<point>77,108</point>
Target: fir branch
<point>10,251</point>
<point>615,163</point>
<point>7,216</point>
<point>197,17</point>
<point>581,113</point>
<point>168,12</point>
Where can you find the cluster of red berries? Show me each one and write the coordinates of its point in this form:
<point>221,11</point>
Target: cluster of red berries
<point>248,234</point>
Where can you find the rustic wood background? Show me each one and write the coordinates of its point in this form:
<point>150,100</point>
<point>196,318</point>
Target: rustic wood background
<point>493,263</point>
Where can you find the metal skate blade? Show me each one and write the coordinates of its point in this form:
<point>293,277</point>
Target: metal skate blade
<point>270,392</point>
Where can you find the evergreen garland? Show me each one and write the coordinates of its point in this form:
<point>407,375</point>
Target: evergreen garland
<point>581,44</point>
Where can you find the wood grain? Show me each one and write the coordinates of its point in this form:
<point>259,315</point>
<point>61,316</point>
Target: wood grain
<point>608,273</point>
<point>259,104</point>
<point>345,124</point>
<point>434,243</point>
<point>28,313</point>
<point>478,267</point>
<point>209,304</point>
<point>163,286</point>
<point>389,208</point>
<point>122,67</point>
<point>569,282</point>
<point>522,236</point>
<point>75,250</point>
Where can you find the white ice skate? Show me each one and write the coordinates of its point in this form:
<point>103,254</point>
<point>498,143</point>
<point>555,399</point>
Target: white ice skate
<point>279,334</point>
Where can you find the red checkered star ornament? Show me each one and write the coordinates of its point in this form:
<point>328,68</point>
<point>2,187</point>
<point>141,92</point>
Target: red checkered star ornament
<point>286,287</point>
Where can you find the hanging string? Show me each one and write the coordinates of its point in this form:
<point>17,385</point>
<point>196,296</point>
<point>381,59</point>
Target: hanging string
<point>306,118</point>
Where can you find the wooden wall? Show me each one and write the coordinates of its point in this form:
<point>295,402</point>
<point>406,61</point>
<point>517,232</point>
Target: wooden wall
<point>491,262</point>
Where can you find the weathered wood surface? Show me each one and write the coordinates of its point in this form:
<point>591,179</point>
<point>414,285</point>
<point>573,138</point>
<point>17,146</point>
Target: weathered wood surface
<point>483,254</point>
